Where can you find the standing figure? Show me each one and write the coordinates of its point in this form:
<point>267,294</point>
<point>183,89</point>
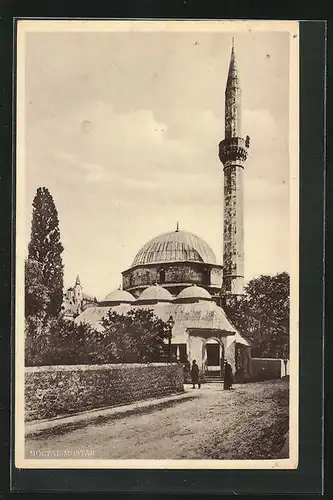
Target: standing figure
<point>228,378</point>
<point>187,369</point>
<point>195,374</point>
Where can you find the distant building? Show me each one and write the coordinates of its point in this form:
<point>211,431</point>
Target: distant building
<point>201,330</point>
<point>76,301</point>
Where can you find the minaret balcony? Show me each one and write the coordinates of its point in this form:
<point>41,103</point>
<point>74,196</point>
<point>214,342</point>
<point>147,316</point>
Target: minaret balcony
<point>233,150</point>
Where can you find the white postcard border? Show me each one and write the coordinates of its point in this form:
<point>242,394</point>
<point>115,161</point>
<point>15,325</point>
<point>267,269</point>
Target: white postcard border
<point>26,26</point>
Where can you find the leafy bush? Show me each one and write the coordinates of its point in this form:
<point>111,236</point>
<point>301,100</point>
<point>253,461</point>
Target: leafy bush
<point>136,337</point>
<point>57,341</point>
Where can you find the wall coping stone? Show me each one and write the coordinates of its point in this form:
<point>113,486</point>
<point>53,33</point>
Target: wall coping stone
<point>271,359</point>
<point>68,368</point>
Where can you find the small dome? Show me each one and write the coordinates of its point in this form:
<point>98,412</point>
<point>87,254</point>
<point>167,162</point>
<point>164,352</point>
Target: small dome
<point>194,292</point>
<point>119,296</point>
<point>177,246</point>
<point>156,293</point>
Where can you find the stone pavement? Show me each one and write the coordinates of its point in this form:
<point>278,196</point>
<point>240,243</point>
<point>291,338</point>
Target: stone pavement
<point>99,415</point>
<point>249,422</point>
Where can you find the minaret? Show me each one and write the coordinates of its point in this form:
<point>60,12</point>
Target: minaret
<point>233,153</point>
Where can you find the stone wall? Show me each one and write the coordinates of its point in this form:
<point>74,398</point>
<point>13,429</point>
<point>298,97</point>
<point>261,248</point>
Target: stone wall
<point>173,273</point>
<point>187,273</point>
<point>140,276</point>
<point>216,276</point>
<point>243,372</point>
<point>269,368</point>
<point>230,353</point>
<point>58,390</point>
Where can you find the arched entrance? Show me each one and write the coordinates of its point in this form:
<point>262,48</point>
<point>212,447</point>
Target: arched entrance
<point>212,355</point>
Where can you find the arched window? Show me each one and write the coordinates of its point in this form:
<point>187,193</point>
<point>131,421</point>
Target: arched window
<point>162,275</point>
<point>206,276</point>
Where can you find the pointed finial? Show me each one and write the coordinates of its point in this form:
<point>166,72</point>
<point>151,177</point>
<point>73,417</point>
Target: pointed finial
<point>232,73</point>
<point>177,227</point>
<point>77,282</point>
<point>233,48</point>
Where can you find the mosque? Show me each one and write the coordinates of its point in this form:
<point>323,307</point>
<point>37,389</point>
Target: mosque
<point>177,275</point>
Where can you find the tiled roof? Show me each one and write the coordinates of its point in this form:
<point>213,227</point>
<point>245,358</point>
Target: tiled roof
<point>119,296</point>
<point>155,293</point>
<point>177,246</point>
<point>202,314</point>
<point>194,292</point>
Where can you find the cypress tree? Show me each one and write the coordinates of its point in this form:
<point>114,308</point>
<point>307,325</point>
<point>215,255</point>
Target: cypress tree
<point>46,248</point>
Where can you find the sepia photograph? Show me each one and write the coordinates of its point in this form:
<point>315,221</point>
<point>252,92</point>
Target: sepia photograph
<point>157,227</point>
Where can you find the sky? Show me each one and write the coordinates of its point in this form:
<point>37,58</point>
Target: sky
<point>123,129</point>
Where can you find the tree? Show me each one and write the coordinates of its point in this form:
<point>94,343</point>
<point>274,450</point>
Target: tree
<point>46,248</point>
<point>36,294</point>
<point>72,343</point>
<point>136,337</point>
<point>37,338</point>
<point>262,315</point>
<point>57,341</point>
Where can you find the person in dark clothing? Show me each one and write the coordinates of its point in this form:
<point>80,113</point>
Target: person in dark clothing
<point>187,370</point>
<point>228,378</point>
<point>195,374</point>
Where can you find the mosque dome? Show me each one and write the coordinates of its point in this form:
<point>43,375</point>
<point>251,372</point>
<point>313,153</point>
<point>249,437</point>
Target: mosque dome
<point>176,246</point>
<point>155,293</point>
<point>120,296</point>
<point>194,292</point>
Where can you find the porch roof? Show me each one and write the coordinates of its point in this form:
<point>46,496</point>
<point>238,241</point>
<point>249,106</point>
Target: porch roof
<point>209,332</point>
<point>203,316</point>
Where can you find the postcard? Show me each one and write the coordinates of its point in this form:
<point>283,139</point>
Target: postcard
<point>157,228</point>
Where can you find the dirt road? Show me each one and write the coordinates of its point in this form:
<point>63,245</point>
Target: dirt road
<point>248,422</point>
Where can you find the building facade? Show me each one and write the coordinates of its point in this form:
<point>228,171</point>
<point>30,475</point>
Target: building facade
<point>75,300</point>
<point>174,260</point>
<point>200,331</point>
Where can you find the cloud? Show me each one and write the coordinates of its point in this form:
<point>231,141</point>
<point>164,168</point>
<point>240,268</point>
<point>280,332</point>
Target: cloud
<point>259,122</point>
<point>88,172</point>
<point>126,143</point>
<point>122,166</point>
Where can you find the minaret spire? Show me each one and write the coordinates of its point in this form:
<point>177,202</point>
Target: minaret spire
<point>233,154</point>
<point>232,56</point>
<point>233,98</point>
<point>77,282</point>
